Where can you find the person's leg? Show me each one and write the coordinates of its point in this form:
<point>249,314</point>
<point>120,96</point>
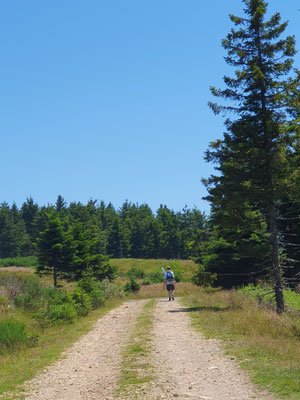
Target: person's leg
<point>173,294</point>
<point>169,293</point>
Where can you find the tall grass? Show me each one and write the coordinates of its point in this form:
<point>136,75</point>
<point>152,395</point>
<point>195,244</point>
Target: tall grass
<point>12,333</point>
<point>267,344</point>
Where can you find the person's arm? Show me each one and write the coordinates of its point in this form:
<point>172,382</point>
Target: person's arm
<point>164,272</point>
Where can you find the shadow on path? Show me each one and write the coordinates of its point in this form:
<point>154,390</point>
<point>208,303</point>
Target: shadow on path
<point>192,309</point>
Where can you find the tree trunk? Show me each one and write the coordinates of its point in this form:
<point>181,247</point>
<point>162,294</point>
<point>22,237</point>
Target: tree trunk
<point>275,260</point>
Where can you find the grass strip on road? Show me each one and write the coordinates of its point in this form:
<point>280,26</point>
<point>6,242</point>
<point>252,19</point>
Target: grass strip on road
<point>264,343</point>
<point>136,369</point>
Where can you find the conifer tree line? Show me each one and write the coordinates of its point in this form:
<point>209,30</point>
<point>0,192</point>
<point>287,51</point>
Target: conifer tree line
<point>255,195</point>
<point>133,231</point>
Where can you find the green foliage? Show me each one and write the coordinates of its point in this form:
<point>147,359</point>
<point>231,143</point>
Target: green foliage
<point>132,286</point>
<point>255,160</point>
<point>111,289</point>
<point>82,301</point>
<point>55,250</point>
<point>12,333</point>
<point>30,261</point>
<point>264,294</point>
<point>56,313</point>
<point>136,273</point>
<point>203,278</point>
<point>155,277</point>
<point>90,286</point>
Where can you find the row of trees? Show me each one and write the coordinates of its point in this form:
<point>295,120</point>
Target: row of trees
<point>255,194</point>
<point>132,231</point>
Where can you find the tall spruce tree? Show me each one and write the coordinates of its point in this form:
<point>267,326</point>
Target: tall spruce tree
<point>252,156</point>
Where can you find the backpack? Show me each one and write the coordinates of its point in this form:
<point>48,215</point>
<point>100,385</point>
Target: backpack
<point>169,275</point>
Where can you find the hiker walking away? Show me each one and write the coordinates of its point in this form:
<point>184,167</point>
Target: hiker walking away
<point>169,282</point>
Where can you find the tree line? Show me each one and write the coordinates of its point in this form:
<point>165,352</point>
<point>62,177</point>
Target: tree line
<point>133,231</point>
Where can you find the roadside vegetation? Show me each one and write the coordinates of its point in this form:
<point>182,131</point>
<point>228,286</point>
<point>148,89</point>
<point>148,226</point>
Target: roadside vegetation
<point>264,343</point>
<point>38,322</point>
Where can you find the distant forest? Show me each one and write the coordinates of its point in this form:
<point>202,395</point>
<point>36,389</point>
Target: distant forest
<point>133,231</point>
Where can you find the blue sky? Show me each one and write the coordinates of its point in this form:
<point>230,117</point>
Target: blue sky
<point>108,99</point>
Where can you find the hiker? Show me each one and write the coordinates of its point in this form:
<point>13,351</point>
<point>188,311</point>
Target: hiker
<point>169,281</point>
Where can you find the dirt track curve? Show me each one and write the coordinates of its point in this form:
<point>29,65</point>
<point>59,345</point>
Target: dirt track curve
<point>186,365</point>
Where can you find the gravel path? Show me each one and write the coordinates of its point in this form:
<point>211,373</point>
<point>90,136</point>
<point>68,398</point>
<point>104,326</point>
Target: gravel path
<point>91,366</point>
<point>186,365</point>
<point>191,367</point>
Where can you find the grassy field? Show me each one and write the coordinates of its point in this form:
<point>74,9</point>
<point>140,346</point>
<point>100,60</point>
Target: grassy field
<point>264,343</point>
<point>185,268</point>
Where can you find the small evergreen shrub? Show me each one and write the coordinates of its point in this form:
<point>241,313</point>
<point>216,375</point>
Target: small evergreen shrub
<point>146,281</point>
<point>132,286</point>
<point>82,301</point>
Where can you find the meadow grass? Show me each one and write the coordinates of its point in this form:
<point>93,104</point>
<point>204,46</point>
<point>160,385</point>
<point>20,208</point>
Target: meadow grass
<point>136,368</point>
<point>264,343</point>
<point>186,268</point>
<point>30,261</point>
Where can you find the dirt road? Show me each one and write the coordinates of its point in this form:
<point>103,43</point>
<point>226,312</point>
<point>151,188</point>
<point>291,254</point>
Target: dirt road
<point>186,366</point>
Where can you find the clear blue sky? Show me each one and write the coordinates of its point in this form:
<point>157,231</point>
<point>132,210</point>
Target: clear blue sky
<point>108,99</point>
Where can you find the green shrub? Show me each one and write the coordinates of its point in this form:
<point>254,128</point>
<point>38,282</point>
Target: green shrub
<point>62,312</point>
<point>132,286</point>
<point>82,301</point>
<point>111,289</point>
<point>155,277</point>
<point>136,273</point>
<point>97,298</point>
<point>12,333</point>
<point>55,313</point>
<point>146,281</point>
<point>203,278</point>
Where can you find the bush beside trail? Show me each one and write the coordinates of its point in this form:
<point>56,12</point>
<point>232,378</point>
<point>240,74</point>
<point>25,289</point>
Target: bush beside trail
<point>42,306</point>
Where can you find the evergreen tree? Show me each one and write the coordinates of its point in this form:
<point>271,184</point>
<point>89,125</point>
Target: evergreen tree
<point>251,157</point>
<point>55,249</point>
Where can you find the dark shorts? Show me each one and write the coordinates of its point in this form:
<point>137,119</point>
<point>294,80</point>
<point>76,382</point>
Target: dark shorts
<point>170,287</point>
